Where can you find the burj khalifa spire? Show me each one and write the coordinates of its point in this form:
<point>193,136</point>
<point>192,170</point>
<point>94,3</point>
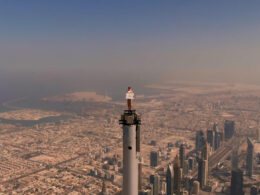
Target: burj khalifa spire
<point>131,146</point>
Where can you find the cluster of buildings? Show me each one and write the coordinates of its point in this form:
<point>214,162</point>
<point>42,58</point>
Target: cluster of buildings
<point>83,154</point>
<point>190,173</point>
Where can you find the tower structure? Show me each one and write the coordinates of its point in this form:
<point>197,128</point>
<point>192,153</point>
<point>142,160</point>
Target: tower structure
<point>154,180</point>
<point>250,157</point>
<point>177,176</point>
<point>131,146</point>
<point>253,190</point>
<point>169,180</point>
<point>205,152</point>
<point>211,138</point>
<point>234,159</point>
<point>200,140</point>
<point>154,158</point>
<point>182,155</point>
<point>229,129</point>
<point>218,136</point>
<point>140,167</point>
<point>202,172</point>
<point>236,182</point>
<point>203,166</point>
<point>196,188</point>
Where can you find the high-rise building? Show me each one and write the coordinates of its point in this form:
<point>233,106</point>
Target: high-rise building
<point>211,138</point>
<point>185,169</point>
<point>182,155</point>
<point>131,146</point>
<point>253,190</point>
<point>250,157</point>
<point>236,182</point>
<point>215,127</point>
<point>203,166</point>
<point>234,159</point>
<point>220,132</point>
<point>203,172</point>
<point>187,183</point>
<point>163,187</point>
<point>154,180</point>
<point>177,176</point>
<point>217,136</point>
<point>154,159</point>
<point>229,129</point>
<point>200,140</point>
<point>195,188</point>
<point>217,140</point>
<point>191,163</point>
<point>140,180</point>
<point>169,180</point>
<point>205,152</point>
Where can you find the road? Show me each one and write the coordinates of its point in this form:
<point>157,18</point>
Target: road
<point>221,154</point>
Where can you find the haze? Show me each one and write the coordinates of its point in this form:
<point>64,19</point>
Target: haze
<point>52,47</point>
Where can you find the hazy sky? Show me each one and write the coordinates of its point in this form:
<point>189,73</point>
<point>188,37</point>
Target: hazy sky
<point>103,39</point>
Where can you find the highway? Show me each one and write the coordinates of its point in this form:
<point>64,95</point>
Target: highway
<point>221,154</point>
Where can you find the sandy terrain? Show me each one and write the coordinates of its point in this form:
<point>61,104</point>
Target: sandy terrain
<point>79,97</point>
<point>27,114</point>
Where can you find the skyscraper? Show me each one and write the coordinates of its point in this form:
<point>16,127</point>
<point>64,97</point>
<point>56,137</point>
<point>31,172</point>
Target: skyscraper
<point>200,140</point>
<point>236,182</point>
<point>187,183</point>
<point>253,190</point>
<point>203,159</point>
<point>217,141</point>
<point>250,157</point>
<point>169,180</point>
<point>182,155</point>
<point>217,136</point>
<point>131,132</point>
<point>154,180</point>
<point>234,159</point>
<point>203,172</point>
<point>205,152</point>
<point>215,127</point>
<point>185,169</point>
<point>196,188</point>
<point>163,187</point>
<point>140,167</point>
<point>203,166</point>
<point>191,163</point>
<point>229,129</point>
<point>154,159</point>
<point>177,176</point>
<point>211,138</point>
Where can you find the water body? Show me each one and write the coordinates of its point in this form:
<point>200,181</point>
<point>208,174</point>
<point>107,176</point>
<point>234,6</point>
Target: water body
<point>51,119</point>
<point>36,85</point>
<point>15,87</point>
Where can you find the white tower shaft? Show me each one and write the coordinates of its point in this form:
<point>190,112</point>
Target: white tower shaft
<point>131,145</point>
<point>130,162</point>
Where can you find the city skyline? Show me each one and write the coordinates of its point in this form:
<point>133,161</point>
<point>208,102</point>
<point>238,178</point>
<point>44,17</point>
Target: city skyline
<point>130,97</point>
